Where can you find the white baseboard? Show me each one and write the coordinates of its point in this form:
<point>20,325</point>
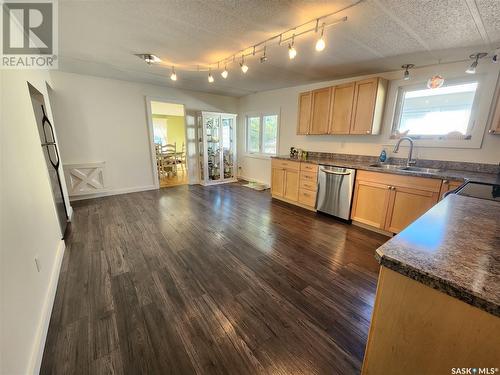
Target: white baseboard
<point>113,192</point>
<point>43,327</point>
<point>249,179</point>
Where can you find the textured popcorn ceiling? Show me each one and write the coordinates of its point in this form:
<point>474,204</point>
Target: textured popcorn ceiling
<point>100,38</point>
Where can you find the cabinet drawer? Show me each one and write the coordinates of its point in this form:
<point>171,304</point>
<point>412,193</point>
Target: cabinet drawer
<point>308,167</point>
<point>307,197</point>
<point>308,185</point>
<point>423,183</point>
<point>286,164</point>
<point>309,176</point>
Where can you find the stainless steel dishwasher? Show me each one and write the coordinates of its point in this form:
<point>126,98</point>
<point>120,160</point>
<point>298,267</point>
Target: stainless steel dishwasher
<point>335,189</point>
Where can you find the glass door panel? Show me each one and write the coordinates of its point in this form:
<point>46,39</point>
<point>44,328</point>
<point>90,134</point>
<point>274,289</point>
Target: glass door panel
<point>228,147</point>
<point>213,135</point>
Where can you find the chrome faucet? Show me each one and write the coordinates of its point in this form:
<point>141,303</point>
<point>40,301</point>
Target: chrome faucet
<point>410,160</point>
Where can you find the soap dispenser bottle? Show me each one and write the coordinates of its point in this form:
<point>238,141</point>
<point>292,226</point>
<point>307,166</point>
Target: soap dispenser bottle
<point>383,156</point>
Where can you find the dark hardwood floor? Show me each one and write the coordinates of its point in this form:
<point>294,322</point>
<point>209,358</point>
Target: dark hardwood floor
<point>206,280</point>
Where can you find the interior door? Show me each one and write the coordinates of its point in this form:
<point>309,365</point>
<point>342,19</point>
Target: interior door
<point>192,148</point>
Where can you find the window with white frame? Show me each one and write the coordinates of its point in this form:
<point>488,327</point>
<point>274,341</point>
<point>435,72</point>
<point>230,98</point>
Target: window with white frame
<point>262,134</point>
<point>441,113</point>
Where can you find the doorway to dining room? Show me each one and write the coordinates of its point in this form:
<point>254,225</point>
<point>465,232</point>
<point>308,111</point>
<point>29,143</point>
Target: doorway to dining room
<point>169,138</point>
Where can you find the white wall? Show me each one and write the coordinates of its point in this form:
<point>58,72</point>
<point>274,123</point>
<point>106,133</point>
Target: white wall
<point>29,228</point>
<point>101,119</point>
<point>285,101</point>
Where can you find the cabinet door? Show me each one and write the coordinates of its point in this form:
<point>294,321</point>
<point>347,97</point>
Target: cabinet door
<point>371,200</point>
<point>406,205</point>
<point>291,190</point>
<point>304,115</point>
<point>320,113</point>
<point>341,112</point>
<point>447,185</point>
<point>365,95</point>
<point>277,181</point>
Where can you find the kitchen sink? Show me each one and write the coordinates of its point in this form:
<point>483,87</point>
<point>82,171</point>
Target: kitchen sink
<point>388,166</point>
<point>419,169</point>
<point>404,168</point>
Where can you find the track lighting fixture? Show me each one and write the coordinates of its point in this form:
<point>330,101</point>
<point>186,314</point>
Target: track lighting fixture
<point>476,56</point>
<point>263,59</point>
<point>285,37</point>
<point>149,58</point>
<point>173,76</point>
<point>292,52</point>
<point>244,67</point>
<point>320,43</point>
<point>407,67</point>
<point>224,73</point>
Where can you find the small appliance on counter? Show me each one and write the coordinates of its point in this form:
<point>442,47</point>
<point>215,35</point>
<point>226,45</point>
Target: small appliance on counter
<point>480,190</point>
<point>335,190</point>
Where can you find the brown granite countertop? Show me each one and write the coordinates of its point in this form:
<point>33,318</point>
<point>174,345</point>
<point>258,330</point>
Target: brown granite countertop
<point>445,174</point>
<point>454,248</point>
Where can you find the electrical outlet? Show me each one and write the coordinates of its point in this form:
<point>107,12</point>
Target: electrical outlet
<point>37,264</point>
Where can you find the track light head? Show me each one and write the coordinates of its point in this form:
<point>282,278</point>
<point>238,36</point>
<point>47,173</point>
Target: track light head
<point>224,73</point>
<point>210,76</point>
<point>292,52</point>
<point>244,67</point>
<point>476,56</point>
<point>407,67</point>
<point>149,58</point>
<point>320,43</point>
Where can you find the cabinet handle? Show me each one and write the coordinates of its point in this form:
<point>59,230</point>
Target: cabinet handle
<point>445,181</point>
<point>368,131</point>
<point>491,131</point>
<point>389,187</point>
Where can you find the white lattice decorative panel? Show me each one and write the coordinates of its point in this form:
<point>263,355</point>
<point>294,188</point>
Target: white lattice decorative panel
<point>85,178</point>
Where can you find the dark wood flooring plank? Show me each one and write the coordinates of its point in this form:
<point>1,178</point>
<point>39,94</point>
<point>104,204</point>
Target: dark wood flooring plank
<point>210,280</point>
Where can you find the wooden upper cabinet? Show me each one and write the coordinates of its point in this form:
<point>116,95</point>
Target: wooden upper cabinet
<point>320,112</point>
<point>495,124</point>
<point>368,105</point>
<point>341,109</point>
<point>304,115</point>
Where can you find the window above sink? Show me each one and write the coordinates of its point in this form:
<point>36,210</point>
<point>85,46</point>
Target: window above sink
<point>440,113</point>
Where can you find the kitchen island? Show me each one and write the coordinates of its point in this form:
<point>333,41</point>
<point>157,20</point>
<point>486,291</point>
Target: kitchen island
<point>437,306</point>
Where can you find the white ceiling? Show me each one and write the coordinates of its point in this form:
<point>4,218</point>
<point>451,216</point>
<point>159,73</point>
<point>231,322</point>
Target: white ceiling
<point>101,38</point>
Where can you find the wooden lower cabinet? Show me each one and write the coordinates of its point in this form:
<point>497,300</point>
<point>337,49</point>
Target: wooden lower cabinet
<point>294,182</point>
<point>371,200</point>
<point>419,330</point>
<point>277,181</point>
<point>291,186</point>
<point>391,202</point>
<point>406,205</point>
<point>448,185</point>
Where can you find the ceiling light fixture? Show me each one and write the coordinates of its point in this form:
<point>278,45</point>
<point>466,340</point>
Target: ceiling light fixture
<point>476,56</point>
<point>210,76</point>
<point>224,73</point>
<point>149,58</point>
<point>320,43</point>
<point>292,52</point>
<point>244,67</point>
<point>407,67</point>
<point>173,76</point>
<point>263,59</point>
